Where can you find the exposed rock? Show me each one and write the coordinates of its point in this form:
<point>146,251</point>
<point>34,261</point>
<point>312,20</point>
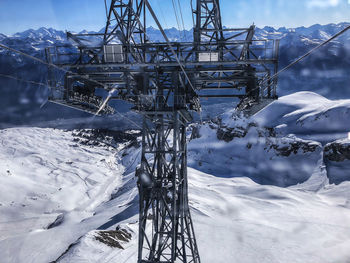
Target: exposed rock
<point>114,238</point>
<point>98,137</point>
<point>227,134</point>
<point>59,220</point>
<point>194,131</point>
<point>337,160</point>
<point>338,151</point>
<point>294,147</point>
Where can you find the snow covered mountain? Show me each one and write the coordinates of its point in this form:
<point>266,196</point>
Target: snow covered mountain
<point>285,138</point>
<point>2,36</point>
<point>262,189</point>
<point>325,72</point>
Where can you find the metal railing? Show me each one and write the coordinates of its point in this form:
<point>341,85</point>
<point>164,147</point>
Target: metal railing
<point>259,51</point>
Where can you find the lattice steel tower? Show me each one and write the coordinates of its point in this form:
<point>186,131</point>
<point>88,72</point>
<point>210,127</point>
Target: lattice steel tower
<point>165,82</point>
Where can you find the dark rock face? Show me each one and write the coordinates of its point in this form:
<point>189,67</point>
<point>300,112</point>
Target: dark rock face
<point>294,148</point>
<point>228,134</point>
<point>337,152</point>
<point>194,128</point>
<point>98,137</point>
<point>337,160</point>
<point>57,222</point>
<point>114,238</point>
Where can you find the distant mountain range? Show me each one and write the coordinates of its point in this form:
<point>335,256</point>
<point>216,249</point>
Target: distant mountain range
<point>325,72</point>
<point>294,41</point>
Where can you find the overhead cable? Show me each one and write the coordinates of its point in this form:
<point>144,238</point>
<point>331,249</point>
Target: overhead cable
<point>23,80</point>
<point>57,67</point>
<point>48,64</point>
<point>177,18</point>
<point>182,20</point>
<point>168,42</point>
<point>306,54</point>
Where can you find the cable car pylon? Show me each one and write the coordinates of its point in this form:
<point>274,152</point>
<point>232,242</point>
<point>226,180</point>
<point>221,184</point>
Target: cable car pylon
<point>165,82</point>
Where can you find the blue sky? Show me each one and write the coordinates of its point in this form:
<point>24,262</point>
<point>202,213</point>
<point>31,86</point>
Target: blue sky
<point>75,15</point>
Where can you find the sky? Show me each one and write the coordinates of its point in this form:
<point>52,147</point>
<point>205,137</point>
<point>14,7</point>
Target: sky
<point>76,15</point>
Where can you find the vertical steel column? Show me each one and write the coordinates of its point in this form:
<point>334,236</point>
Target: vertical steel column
<point>152,83</point>
<point>208,28</point>
<point>275,80</point>
<point>165,230</point>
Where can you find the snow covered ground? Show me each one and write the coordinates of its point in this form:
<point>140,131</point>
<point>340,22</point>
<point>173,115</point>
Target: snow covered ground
<point>49,184</point>
<point>307,115</point>
<point>237,220</point>
<point>65,200</point>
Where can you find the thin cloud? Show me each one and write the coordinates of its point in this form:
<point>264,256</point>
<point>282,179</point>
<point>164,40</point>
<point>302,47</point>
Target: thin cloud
<point>322,3</point>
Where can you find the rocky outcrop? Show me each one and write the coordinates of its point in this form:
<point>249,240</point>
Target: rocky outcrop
<point>114,238</point>
<point>228,134</point>
<point>99,137</point>
<point>294,147</point>
<point>338,151</point>
<point>337,160</point>
<point>255,152</point>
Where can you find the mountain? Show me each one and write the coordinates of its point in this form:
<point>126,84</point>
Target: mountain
<point>257,192</point>
<point>285,138</point>
<point>324,72</point>
<point>2,37</point>
<point>41,34</point>
<point>306,113</point>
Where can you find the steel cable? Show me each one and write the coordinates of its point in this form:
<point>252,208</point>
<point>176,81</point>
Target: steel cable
<point>305,55</point>
<point>23,80</point>
<point>57,67</point>
<point>182,20</point>
<point>177,18</point>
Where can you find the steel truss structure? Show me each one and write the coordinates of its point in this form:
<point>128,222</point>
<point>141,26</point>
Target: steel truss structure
<point>163,191</point>
<point>165,81</point>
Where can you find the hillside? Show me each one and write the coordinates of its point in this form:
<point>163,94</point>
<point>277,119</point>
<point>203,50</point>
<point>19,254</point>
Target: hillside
<point>258,193</point>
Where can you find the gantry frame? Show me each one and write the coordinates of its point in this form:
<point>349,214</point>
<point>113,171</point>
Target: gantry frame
<point>165,82</point>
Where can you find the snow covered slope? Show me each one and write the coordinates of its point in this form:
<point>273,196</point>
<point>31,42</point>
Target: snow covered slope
<point>254,153</point>
<point>49,184</point>
<point>281,145</point>
<point>306,113</point>
<point>257,192</point>
<point>237,220</point>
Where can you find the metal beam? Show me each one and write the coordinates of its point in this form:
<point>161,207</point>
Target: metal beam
<point>163,81</point>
